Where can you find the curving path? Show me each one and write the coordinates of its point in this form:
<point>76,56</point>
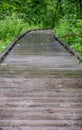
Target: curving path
<point>40,86</point>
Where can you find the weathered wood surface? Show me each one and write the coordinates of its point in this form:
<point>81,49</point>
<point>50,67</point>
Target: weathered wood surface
<point>40,86</point>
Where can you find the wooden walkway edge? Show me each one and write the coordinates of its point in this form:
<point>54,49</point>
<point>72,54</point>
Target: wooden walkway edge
<point>40,85</point>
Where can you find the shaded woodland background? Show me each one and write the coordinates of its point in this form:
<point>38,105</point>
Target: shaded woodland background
<point>64,16</point>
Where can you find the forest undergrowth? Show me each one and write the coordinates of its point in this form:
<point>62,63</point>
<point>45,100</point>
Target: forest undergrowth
<point>11,28</point>
<point>70,33</point>
<point>64,16</point>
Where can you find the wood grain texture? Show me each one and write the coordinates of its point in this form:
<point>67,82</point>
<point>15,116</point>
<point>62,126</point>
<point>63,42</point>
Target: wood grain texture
<point>40,86</point>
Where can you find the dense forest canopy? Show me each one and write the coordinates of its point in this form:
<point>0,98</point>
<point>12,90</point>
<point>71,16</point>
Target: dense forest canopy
<point>64,16</point>
<point>46,12</point>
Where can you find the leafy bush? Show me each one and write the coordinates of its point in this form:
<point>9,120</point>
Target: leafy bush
<point>71,33</point>
<point>10,28</point>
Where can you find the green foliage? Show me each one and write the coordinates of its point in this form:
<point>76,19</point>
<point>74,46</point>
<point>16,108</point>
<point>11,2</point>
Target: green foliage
<point>10,28</point>
<point>69,27</point>
<point>65,16</point>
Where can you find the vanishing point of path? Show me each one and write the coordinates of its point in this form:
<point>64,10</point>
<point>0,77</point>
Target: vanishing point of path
<point>40,86</point>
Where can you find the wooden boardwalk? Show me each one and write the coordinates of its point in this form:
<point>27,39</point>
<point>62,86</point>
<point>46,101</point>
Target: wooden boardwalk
<point>40,86</point>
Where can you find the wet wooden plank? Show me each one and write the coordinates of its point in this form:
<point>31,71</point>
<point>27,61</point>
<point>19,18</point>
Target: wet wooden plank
<point>41,123</point>
<point>25,104</point>
<point>31,115</point>
<point>61,111</point>
<point>40,128</point>
<point>40,86</point>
